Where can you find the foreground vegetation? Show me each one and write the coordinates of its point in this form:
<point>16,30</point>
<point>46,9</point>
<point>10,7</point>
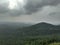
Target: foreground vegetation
<point>38,40</point>
<point>55,43</point>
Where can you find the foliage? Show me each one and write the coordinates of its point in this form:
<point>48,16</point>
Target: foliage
<point>40,40</point>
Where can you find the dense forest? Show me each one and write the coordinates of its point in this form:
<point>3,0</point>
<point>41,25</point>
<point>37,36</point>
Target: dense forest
<point>42,40</point>
<point>39,34</point>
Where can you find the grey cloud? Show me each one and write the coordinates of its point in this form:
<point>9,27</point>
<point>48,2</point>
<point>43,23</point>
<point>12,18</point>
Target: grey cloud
<point>55,15</point>
<point>15,13</point>
<point>34,5</point>
<point>31,7</point>
<point>3,8</point>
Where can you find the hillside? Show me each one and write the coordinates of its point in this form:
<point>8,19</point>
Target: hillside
<point>40,29</point>
<point>13,30</point>
<point>38,34</point>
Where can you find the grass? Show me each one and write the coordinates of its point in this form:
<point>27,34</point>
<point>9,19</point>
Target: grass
<point>55,43</point>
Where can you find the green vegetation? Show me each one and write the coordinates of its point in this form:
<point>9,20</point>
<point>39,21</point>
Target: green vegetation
<point>38,40</point>
<point>55,43</point>
<point>39,34</point>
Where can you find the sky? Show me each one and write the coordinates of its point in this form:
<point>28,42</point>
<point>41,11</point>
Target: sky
<point>30,11</point>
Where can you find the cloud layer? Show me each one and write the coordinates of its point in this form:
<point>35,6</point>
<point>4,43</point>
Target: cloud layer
<point>31,6</point>
<point>33,11</point>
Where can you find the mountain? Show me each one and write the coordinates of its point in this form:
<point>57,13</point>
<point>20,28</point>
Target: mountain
<point>15,29</point>
<point>14,24</point>
<point>40,29</point>
<point>5,25</point>
<point>10,27</point>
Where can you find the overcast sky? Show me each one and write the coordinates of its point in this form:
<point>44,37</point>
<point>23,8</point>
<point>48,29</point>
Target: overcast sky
<point>30,11</point>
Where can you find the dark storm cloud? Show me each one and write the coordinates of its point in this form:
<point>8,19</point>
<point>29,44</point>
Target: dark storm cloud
<point>3,8</point>
<point>34,5</point>
<point>15,12</point>
<point>6,11</point>
<point>31,7</point>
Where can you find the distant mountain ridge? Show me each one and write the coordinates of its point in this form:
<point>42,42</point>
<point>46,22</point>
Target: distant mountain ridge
<point>43,25</point>
<point>41,29</point>
<point>11,29</point>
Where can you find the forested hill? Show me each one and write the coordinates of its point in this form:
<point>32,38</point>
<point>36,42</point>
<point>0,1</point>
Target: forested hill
<point>40,29</point>
<point>34,30</point>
